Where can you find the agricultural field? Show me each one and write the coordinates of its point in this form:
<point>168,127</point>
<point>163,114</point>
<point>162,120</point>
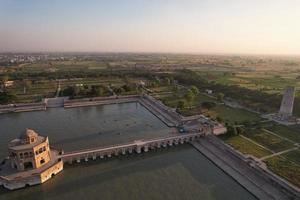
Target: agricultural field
<point>232,115</point>
<point>293,156</point>
<point>264,144</point>
<point>261,143</point>
<point>268,82</point>
<point>64,65</point>
<point>268,140</point>
<point>227,114</point>
<point>35,91</point>
<point>285,168</point>
<point>253,82</point>
<point>247,147</point>
<point>291,132</point>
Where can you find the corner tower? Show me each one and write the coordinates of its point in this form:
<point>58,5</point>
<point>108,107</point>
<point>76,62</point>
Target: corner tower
<point>30,161</point>
<point>286,108</point>
<point>29,151</point>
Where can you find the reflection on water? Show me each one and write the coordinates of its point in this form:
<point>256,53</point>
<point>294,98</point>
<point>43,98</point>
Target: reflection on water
<point>84,127</point>
<point>175,173</point>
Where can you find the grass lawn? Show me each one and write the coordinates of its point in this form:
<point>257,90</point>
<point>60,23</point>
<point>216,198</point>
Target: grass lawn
<point>246,147</point>
<point>285,168</point>
<point>293,156</point>
<point>232,115</point>
<point>268,140</point>
<point>172,100</point>
<point>162,89</point>
<point>47,88</point>
<point>229,115</point>
<point>287,132</point>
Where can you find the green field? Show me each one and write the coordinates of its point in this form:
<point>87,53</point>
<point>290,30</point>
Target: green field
<point>272,82</point>
<point>65,65</point>
<point>268,140</point>
<point>288,132</point>
<point>285,168</point>
<point>173,99</point>
<point>37,90</point>
<point>229,115</point>
<point>233,115</point>
<point>293,156</point>
<point>247,147</point>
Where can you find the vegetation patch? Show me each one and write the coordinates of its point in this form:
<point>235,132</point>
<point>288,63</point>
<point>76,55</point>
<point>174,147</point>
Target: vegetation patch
<point>268,140</point>
<point>293,156</point>
<point>232,115</point>
<point>246,147</point>
<point>292,133</point>
<point>285,168</point>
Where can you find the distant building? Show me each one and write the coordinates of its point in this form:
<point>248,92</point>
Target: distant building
<point>8,83</point>
<point>208,91</point>
<point>142,83</point>
<point>219,130</point>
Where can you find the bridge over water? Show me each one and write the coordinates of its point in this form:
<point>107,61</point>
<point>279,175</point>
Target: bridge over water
<point>135,146</point>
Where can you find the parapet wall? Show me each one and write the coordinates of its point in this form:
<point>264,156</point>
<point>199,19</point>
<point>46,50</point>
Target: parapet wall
<point>99,101</point>
<point>20,182</point>
<point>257,173</point>
<point>33,179</point>
<point>22,107</point>
<point>51,171</point>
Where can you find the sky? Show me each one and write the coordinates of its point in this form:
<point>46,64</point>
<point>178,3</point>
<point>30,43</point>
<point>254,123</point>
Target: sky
<point>175,26</point>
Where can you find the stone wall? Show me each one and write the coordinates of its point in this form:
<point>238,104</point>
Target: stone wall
<point>50,172</point>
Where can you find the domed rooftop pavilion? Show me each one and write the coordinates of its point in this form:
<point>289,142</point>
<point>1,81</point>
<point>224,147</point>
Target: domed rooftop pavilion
<point>29,134</point>
<point>29,151</point>
<point>30,161</point>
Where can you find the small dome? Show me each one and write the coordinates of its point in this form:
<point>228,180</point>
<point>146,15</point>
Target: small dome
<point>28,133</point>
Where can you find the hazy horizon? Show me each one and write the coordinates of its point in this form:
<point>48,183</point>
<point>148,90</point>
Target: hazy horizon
<point>151,26</point>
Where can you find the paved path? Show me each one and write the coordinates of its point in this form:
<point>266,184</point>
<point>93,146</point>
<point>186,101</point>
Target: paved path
<point>257,143</point>
<point>279,153</point>
<point>284,138</point>
<point>170,140</point>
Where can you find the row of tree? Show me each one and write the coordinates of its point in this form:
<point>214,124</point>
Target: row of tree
<point>96,90</point>
<point>257,100</point>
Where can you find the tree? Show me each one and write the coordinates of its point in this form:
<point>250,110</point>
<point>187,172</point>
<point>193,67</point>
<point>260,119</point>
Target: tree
<point>195,90</point>
<point>127,88</point>
<point>208,105</point>
<point>156,80</point>
<point>119,90</point>
<point>219,119</point>
<point>172,81</point>
<point>167,81</point>
<point>3,80</point>
<point>97,90</point>
<point>175,91</point>
<point>69,91</point>
<point>181,105</point>
<point>231,130</point>
<point>220,97</point>
<point>7,97</point>
<point>26,85</point>
<point>189,96</point>
<point>240,130</point>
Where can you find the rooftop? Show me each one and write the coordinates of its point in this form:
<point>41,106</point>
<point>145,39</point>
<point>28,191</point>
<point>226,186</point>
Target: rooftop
<point>27,140</point>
